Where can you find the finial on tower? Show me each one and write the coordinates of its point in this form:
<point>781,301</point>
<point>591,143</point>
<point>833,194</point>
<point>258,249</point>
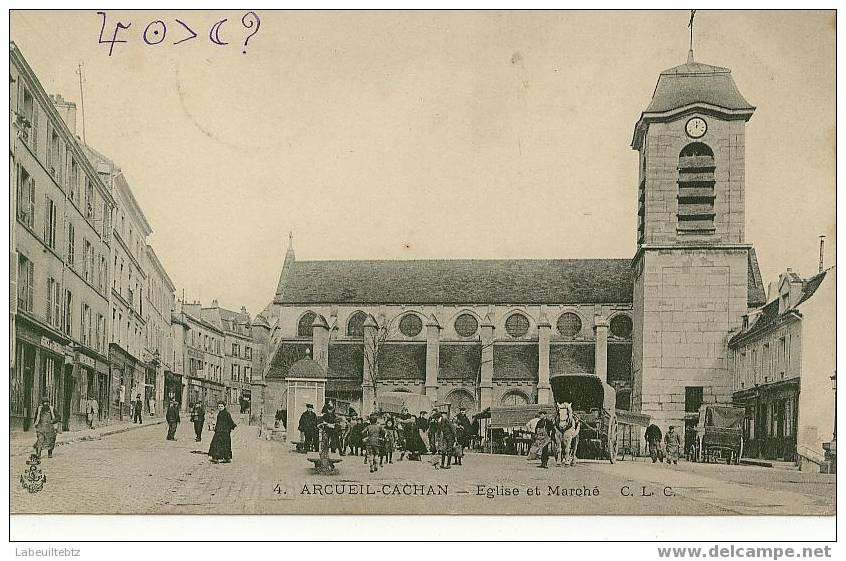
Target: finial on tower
<point>290,239</point>
<point>690,25</point>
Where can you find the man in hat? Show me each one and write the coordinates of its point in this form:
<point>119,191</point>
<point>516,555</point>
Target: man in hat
<point>672,445</point>
<point>544,430</point>
<point>308,429</point>
<point>465,428</point>
<point>137,408</point>
<point>172,418</point>
<point>46,427</point>
<point>653,442</point>
<point>422,429</point>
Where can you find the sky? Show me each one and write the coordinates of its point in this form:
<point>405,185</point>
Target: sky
<point>420,135</point>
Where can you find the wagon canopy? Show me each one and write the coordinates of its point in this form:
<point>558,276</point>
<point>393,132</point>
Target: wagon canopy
<point>585,391</point>
<point>515,416</point>
<point>393,402</point>
<point>722,416</point>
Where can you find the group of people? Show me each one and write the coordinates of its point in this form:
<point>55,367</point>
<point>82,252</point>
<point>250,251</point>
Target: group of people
<point>378,436</point>
<point>220,449</point>
<point>668,448</point>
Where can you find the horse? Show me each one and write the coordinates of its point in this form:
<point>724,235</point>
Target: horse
<point>567,427</point>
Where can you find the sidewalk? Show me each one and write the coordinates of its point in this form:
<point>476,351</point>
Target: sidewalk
<point>20,442</point>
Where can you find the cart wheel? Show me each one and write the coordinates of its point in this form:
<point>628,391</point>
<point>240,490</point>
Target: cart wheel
<point>612,439</point>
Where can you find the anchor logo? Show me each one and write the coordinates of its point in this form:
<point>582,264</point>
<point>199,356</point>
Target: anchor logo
<point>33,479</point>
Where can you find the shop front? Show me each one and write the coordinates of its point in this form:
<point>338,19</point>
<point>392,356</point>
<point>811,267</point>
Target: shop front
<point>41,355</point>
<point>173,387</point>
<point>769,429</point>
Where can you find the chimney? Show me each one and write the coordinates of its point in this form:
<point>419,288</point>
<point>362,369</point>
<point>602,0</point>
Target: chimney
<point>822,253</point>
<point>772,292</point>
<point>67,110</point>
<point>215,304</point>
<point>243,310</point>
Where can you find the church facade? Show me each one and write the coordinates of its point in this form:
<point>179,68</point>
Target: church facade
<point>477,333</point>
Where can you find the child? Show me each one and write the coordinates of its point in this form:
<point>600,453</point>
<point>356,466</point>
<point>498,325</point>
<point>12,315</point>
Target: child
<point>373,435</point>
<point>459,444</point>
<point>391,437</point>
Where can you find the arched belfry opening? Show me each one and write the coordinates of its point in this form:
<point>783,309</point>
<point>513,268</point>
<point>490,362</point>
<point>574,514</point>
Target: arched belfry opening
<point>696,189</point>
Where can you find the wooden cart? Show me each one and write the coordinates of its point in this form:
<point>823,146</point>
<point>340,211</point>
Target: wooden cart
<point>594,404</point>
<point>719,434</point>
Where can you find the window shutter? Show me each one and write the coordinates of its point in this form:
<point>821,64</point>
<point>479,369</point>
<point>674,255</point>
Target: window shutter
<point>35,127</point>
<point>50,283</point>
<point>31,279</point>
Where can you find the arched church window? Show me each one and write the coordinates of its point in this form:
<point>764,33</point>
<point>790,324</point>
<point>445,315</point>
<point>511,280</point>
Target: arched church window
<point>304,328</point>
<point>355,326</point>
<point>461,398</point>
<point>569,324</point>
<point>514,398</point>
<point>696,189</point>
<point>411,325</point>
<point>466,325</point>
<point>517,325</point>
<point>621,326</point>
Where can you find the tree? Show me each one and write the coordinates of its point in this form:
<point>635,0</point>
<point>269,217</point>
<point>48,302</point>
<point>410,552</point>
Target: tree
<point>375,338</point>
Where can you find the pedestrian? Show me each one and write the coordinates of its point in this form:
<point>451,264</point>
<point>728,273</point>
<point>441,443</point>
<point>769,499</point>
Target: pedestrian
<point>151,403</point>
<point>221,444</point>
<point>414,444</point>
<point>343,431</point>
<point>423,430</point>
<point>46,427</point>
<point>90,412</point>
<point>672,445</point>
<point>137,407</point>
<point>544,429</point>
<point>308,429</point>
<point>373,435</point>
<point>444,435</point>
<point>653,442</point>
<point>391,437</point>
<point>432,432</point>
<point>464,429</point>
<point>198,417</point>
<point>330,419</point>
<point>172,418</point>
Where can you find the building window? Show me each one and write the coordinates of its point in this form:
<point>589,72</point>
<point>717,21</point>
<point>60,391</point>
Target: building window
<point>87,260</point>
<point>696,189</point>
<point>621,326</point>
<point>73,180</point>
<point>26,276</point>
<point>54,302</point>
<point>517,325</point>
<point>693,398</point>
<point>68,312</point>
<point>50,218</point>
<point>54,156</point>
<point>85,319</point>
<point>304,328</point>
<point>89,199</point>
<point>355,326</point>
<point>71,256</point>
<point>466,325</point>
<point>29,112</point>
<point>248,353</point>
<point>411,325</point>
<point>461,398</point>
<point>26,198</point>
<point>235,350</point>
<point>514,398</point>
<point>569,324</point>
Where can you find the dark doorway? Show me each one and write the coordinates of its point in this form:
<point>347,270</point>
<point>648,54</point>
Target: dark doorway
<point>67,398</point>
<point>28,365</point>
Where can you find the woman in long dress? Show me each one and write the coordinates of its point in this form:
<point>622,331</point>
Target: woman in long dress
<point>221,444</point>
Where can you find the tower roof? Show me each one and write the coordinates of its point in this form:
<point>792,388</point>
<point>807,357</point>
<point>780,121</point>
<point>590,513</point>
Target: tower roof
<point>693,86</point>
<point>695,82</point>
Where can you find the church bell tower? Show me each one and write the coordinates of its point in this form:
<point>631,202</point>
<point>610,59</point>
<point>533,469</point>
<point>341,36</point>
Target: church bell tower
<point>692,264</point>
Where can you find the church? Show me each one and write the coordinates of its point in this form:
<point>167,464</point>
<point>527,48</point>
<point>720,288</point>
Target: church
<point>477,333</point>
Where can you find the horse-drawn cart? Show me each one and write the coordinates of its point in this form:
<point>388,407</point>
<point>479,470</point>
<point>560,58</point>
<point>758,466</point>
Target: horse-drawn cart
<point>593,402</point>
<point>719,434</point>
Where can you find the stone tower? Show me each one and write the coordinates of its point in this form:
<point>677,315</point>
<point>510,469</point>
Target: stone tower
<point>692,264</point>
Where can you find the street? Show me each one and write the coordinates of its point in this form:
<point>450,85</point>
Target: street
<point>138,471</point>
